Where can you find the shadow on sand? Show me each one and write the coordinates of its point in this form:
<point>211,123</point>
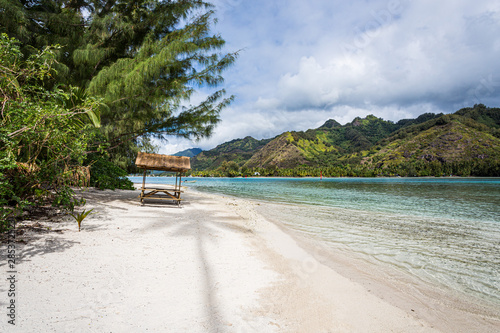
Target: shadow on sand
<point>201,228</point>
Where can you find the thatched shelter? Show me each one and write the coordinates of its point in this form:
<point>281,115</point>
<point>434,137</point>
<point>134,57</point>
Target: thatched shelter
<point>177,164</point>
<point>163,162</point>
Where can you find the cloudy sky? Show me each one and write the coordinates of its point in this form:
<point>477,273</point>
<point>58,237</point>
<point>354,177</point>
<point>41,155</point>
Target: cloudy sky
<point>304,62</point>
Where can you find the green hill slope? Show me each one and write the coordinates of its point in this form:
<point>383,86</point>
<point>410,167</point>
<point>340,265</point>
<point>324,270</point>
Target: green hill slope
<point>239,151</point>
<point>279,152</point>
<point>465,143</point>
<point>450,140</point>
<point>191,152</point>
<point>330,144</point>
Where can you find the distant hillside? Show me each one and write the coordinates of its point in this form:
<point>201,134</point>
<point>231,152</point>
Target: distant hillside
<point>239,151</point>
<point>191,152</point>
<point>467,142</point>
<point>278,153</point>
<point>330,143</point>
<point>450,139</point>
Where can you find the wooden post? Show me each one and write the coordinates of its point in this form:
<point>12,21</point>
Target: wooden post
<point>180,182</point>
<point>177,192</point>
<point>143,186</point>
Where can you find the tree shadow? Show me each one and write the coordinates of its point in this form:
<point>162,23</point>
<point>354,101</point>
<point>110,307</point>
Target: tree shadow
<point>200,228</point>
<point>24,252</point>
<point>3,300</point>
<point>153,202</point>
<point>104,197</point>
<point>202,231</point>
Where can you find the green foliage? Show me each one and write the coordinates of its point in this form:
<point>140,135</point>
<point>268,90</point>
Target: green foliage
<point>81,216</point>
<point>11,205</point>
<point>106,175</point>
<point>93,76</point>
<point>490,117</point>
<point>420,119</point>
<point>144,58</point>
<point>64,197</point>
<point>229,169</point>
<point>451,138</point>
<point>403,169</point>
<point>44,131</point>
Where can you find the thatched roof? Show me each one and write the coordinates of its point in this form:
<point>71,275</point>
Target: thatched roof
<point>163,162</point>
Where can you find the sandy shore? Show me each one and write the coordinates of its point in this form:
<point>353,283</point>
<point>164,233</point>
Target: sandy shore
<point>213,265</point>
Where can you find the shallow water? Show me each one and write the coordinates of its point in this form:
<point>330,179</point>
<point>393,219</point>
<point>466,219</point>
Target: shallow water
<point>443,230</point>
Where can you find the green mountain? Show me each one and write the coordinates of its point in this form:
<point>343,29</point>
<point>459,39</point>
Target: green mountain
<point>239,151</point>
<point>466,143</point>
<point>279,152</point>
<point>191,152</point>
<point>449,139</point>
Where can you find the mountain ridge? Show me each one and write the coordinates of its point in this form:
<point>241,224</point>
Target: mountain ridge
<point>191,152</point>
<point>431,143</point>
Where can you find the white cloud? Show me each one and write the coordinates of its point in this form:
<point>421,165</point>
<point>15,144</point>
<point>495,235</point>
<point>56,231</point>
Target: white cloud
<point>415,59</point>
<point>304,62</point>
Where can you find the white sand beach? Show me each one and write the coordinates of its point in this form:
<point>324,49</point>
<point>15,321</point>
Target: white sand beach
<point>213,265</point>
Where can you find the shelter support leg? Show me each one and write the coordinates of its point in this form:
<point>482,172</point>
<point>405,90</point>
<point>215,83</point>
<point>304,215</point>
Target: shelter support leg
<point>143,187</point>
<point>179,193</point>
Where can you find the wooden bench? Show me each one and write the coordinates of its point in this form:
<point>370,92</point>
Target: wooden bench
<point>162,194</point>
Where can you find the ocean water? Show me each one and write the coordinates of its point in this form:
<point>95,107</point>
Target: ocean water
<point>442,230</point>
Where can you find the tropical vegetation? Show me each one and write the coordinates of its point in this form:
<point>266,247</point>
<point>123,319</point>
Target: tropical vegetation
<point>86,84</point>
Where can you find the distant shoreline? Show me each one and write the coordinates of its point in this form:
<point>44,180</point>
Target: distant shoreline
<point>310,177</point>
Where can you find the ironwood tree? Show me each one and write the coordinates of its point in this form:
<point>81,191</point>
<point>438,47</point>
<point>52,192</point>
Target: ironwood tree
<point>144,58</point>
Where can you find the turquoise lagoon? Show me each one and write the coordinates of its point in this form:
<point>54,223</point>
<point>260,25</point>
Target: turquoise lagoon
<point>442,230</point>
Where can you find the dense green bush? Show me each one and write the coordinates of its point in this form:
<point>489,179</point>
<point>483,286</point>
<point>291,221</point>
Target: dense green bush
<point>44,132</point>
<point>106,175</point>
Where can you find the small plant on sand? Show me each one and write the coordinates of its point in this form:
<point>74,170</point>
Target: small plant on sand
<point>79,217</point>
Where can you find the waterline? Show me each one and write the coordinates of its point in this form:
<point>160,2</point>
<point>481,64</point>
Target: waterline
<point>442,230</point>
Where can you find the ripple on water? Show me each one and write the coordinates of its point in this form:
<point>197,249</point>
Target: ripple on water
<point>462,255</point>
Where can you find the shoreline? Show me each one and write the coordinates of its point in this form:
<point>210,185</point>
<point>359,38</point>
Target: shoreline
<point>444,308</point>
<point>214,265</point>
<point>441,306</point>
<point>324,177</point>
<point>311,240</point>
